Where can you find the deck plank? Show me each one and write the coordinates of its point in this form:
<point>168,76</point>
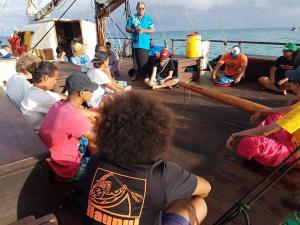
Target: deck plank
<point>202,127</point>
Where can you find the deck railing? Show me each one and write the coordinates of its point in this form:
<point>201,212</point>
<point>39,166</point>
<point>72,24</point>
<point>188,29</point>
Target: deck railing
<point>239,42</point>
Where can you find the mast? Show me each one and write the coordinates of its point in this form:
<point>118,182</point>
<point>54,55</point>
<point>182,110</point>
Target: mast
<point>102,10</point>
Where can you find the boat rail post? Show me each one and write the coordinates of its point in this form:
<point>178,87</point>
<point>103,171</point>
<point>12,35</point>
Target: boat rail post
<point>173,44</point>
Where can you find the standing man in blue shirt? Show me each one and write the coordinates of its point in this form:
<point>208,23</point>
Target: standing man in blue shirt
<point>140,25</point>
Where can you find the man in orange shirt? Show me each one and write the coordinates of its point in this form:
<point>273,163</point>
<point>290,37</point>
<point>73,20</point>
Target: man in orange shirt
<point>235,66</point>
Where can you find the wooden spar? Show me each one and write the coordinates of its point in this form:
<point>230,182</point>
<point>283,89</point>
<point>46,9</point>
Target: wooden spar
<point>101,12</point>
<point>233,101</point>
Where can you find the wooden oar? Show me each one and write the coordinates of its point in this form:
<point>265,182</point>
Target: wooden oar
<point>233,101</point>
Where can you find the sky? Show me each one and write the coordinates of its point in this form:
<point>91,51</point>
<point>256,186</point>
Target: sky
<point>171,15</point>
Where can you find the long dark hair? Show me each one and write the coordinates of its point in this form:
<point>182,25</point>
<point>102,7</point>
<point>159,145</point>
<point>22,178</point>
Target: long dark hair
<point>134,129</point>
<point>40,69</point>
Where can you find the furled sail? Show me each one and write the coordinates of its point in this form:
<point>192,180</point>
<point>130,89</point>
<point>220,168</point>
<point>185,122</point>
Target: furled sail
<point>38,9</point>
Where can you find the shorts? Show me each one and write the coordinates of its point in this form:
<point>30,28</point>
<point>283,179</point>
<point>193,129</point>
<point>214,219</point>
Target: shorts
<point>173,219</point>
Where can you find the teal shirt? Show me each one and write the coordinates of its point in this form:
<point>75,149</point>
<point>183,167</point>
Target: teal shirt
<point>140,40</point>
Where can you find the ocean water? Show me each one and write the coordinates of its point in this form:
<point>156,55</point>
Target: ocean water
<point>283,35</point>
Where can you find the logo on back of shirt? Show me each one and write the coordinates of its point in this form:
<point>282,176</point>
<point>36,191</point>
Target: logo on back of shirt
<point>286,67</point>
<point>112,199</point>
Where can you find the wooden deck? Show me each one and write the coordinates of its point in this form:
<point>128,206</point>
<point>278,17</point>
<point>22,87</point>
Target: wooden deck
<point>202,127</point>
<point>24,183</point>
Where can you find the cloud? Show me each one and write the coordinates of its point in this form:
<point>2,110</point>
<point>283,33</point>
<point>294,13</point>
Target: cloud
<point>173,14</point>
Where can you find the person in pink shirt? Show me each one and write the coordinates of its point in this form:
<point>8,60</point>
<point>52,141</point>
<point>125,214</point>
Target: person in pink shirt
<point>68,132</point>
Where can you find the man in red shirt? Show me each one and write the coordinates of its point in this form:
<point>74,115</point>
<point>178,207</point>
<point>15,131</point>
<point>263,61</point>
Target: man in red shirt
<point>66,126</point>
<point>235,66</point>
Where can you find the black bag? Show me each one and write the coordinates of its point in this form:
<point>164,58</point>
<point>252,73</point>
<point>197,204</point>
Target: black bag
<point>131,72</point>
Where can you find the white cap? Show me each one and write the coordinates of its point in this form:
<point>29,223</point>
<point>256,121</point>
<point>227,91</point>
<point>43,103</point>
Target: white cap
<point>235,50</point>
<point>3,52</point>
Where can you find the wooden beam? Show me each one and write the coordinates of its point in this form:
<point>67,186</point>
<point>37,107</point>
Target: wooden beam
<point>109,9</point>
<point>101,13</point>
<point>233,101</point>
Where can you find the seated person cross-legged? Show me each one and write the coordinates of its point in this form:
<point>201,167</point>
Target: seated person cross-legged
<point>235,66</point>
<point>163,72</point>
<point>113,60</point>
<point>67,130</point>
<point>277,81</point>
<point>127,170</point>
<point>276,137</point>
<point>97,74</point>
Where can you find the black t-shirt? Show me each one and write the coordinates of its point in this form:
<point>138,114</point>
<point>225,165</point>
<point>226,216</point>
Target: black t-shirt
<point>163,72</point>
<point>282,64</point>
<point>296,57</point>
<point>133,194</point>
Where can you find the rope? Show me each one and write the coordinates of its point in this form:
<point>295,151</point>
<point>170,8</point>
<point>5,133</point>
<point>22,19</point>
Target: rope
<point>116,30</point>
<point>189,21</point>
<point>108,32</point>
<point>127,10</point>
<point>161,17</point>
<point>221,25</point>
<point>54,25</point>
<point>158,19</point>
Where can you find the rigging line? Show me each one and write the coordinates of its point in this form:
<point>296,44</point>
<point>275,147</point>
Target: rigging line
<point>158,19</point>
<point>107,25</point>
<point>119,29</point>
<point>221,24</point>
<point>188,24</point>
<point>116,30</point>
<point>189,18</point>
<point>53,25</point>
<point>108,31</point>
<point>161,18</point>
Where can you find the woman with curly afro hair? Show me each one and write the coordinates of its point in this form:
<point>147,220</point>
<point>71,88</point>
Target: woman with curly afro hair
<point>127,182</point>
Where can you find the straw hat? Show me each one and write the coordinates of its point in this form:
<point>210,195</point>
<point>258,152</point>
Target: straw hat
<point>78,49</point>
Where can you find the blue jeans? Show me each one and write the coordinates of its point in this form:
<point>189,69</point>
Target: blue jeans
<point>173,219</point>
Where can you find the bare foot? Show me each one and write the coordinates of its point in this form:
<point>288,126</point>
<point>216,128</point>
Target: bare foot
<point>284,92</point>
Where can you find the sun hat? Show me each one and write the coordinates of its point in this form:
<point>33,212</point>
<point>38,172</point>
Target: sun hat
<point>78,49</point>
<point>290,47</point>
<point>235,50</point>
<point>80,82</point>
